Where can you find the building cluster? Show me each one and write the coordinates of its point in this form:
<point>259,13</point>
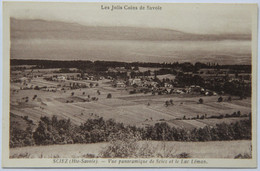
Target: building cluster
<point>135,81</point>
<point>209,76</point>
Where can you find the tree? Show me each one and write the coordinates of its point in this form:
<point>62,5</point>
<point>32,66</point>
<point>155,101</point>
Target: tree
<point>136,68</point>
<point>109,95</point>
<point>34,97</point>
<point>220,99</point>
<point>41,135</point>
<point>200,101</point>
<point>167,103</point>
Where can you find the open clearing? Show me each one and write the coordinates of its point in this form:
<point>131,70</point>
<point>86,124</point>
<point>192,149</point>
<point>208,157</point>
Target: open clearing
<point>211,149</point>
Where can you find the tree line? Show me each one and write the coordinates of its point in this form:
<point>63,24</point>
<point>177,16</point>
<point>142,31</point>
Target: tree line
<point>52,130</point>
<point>104,65</point>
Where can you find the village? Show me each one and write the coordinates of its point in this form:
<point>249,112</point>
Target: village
<point>134,80</point>
<point>133,95</point>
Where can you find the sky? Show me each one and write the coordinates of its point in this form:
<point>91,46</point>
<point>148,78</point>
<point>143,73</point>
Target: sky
<point>98,39</point>
<point>201,19</point>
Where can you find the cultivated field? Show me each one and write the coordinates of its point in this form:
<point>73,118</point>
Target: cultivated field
<point>122,107</point>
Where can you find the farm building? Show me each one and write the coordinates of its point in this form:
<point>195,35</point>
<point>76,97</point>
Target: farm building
<point>120,84</point>
<point>137,81</point>
<point>24,80</point>
<point>61,78</point>
<point>168,85</point>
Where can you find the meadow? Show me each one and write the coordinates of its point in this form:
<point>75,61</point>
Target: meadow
<point>216,149</point>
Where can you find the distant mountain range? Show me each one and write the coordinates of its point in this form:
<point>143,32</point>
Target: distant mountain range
<point>41,29</point>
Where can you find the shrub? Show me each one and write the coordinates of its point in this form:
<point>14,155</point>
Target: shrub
<point>109,95</point>
<point>167,103</point>
<point>21,155</point>
<point>132,91</point>
<point>122,145</point>
<point>220,99</point>
<point>183,155</point>
<point>34,97</point>
<point>25,118</point>
<point>88,155</point>
<point>221,117</point>
<point>243,156</point>
<point>145,150</point>
<point>21,138</point>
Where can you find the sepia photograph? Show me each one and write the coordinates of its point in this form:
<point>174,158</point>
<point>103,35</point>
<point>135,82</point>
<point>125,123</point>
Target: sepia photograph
<point>129,84</point>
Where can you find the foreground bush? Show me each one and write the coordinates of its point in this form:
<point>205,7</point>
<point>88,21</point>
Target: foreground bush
<point>243,156</point>
<point>122,145</point>
<point>129,145</point>
<point>21,138</point>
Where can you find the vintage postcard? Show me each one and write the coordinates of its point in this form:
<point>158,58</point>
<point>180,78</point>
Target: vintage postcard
<point>129,85</point>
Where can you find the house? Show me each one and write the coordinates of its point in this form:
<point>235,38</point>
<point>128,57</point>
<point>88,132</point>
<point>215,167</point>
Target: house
<point>154,84</point>
<point>61,78</point>
<point>167,85</point>
<point>169,90</point>
<point>24,80</point>
<point>136,81</point>
<point>177,91</point>
<point>120,84</point>
<point>188,73</point>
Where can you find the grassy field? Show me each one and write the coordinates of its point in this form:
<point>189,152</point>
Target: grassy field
<point>213,149</point>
